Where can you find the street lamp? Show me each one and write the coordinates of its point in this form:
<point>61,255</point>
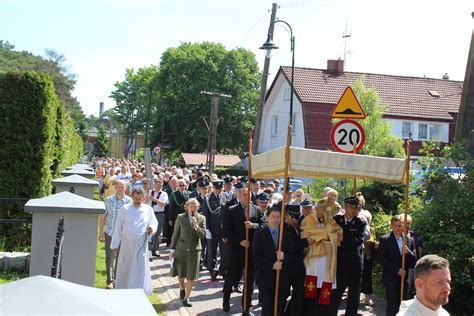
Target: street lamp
<point>269,46</point>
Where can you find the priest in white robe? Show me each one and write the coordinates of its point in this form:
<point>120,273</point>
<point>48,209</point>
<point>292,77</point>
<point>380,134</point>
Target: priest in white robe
<point>134,227</point>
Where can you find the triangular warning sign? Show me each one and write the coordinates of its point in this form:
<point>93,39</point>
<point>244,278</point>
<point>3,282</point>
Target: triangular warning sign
<point>348,106</point>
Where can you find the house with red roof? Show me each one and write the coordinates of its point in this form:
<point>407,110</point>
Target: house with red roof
<point>425,107</point>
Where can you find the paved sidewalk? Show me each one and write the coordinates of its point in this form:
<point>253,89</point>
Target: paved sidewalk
<point>206,296</point>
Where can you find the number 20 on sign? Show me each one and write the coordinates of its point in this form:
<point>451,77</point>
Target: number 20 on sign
<point>346,134</point>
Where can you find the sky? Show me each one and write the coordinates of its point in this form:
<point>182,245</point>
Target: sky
<point>102,38</point>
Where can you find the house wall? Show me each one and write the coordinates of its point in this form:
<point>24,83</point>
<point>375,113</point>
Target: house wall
<point>278,105</point>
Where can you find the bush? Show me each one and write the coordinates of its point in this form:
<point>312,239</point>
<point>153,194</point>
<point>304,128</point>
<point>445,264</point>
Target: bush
<point>383,197</point>
<point>446,223</point>
<point>220,171</point>
<point>37,143</point>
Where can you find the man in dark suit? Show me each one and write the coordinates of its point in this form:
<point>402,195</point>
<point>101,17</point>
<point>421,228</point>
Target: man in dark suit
<point>297,271</point>
<point>234,226</point>
<point>178,199</point>
<point>268,260</point>
<point>390,256</point>
<point>349,257</point>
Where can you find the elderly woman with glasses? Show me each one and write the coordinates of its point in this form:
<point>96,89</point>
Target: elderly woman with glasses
<point>186,248</point>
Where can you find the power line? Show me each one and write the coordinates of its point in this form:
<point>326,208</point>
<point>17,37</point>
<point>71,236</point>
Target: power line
<point>252,29</point>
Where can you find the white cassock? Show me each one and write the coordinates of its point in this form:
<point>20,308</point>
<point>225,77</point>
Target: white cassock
<point>130,233</point>
<point>320,266</point>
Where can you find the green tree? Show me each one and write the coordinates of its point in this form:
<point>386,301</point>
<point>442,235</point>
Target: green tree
<point>379,141</point>
<point>445,222</point>
<point>54,64</point>
<point>189,69</point>
<point>101,143</point>
<point>136,101</point>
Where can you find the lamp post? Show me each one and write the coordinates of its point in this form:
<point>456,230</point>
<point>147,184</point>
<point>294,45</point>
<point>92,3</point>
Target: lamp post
<point>269,46</point>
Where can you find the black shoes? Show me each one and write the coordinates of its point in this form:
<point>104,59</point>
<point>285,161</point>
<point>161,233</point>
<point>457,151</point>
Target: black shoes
<point>187,303</point>
<point>214,275</point>
<point>236,289</point>
<point>225,306</point>
<point>181,294</point>
<point>155,254</point>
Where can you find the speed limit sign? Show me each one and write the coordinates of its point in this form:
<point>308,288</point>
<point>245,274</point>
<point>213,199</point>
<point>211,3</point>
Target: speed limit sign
<point>346,134</point>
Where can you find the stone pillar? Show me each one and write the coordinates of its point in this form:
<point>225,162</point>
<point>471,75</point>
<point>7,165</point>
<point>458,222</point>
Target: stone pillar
<point>80,166</point>
<point>80,235</point>
<point>76,184</point>
<point>81,172</point>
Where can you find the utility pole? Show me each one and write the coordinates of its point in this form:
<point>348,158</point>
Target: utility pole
<point>214,120</point>
<point>263,88</point>
<point>465,122</point>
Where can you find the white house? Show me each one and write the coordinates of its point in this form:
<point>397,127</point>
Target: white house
<point>425,107</point>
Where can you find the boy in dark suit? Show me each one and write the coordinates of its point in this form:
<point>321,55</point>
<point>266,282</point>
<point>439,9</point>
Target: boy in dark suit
<point>268,260</point>
<point>390,256</point>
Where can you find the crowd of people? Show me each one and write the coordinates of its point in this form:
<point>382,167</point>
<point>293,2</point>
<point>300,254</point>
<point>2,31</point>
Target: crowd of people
<point>229,223</point>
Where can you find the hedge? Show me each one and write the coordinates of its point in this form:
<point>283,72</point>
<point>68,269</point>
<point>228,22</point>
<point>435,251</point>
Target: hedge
<point>37,143</point>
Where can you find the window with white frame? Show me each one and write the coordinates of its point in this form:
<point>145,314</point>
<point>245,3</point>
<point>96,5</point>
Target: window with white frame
<point>274,126</point>
<point>435,131</point>
<point>406,129</point>
<point>422,131</point>
<point>286,94</point>
<point>429,131</point>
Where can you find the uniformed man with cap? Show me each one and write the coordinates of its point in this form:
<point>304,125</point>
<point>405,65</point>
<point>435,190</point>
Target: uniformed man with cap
<point>229,188</point>
<point>262,203</point>
<point>231,200</point>
<point>195,192</point>
<point>202,189</point>
<point>212,210</point>
<point>349,257</point>
<point>234,225</point>
<point>254,188</point>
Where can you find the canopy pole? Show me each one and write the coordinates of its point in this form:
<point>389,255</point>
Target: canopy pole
<point>247,217</point>
<point>405,212</point>
<point>282,220</point>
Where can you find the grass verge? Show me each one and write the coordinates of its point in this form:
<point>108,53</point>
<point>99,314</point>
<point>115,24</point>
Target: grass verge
<point>11,276</point>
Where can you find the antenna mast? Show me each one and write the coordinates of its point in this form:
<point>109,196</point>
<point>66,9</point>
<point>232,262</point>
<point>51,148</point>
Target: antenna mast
<point>345,36</point>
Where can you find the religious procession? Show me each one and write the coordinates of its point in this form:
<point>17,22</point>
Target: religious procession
<point>263,240</point>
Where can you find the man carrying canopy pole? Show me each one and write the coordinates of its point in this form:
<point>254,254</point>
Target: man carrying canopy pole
<point>282,220</point>
<point>235,225</point>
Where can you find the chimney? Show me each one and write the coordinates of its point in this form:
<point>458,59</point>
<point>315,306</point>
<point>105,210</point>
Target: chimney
<point>101,108</point>
<point>336,66</point>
